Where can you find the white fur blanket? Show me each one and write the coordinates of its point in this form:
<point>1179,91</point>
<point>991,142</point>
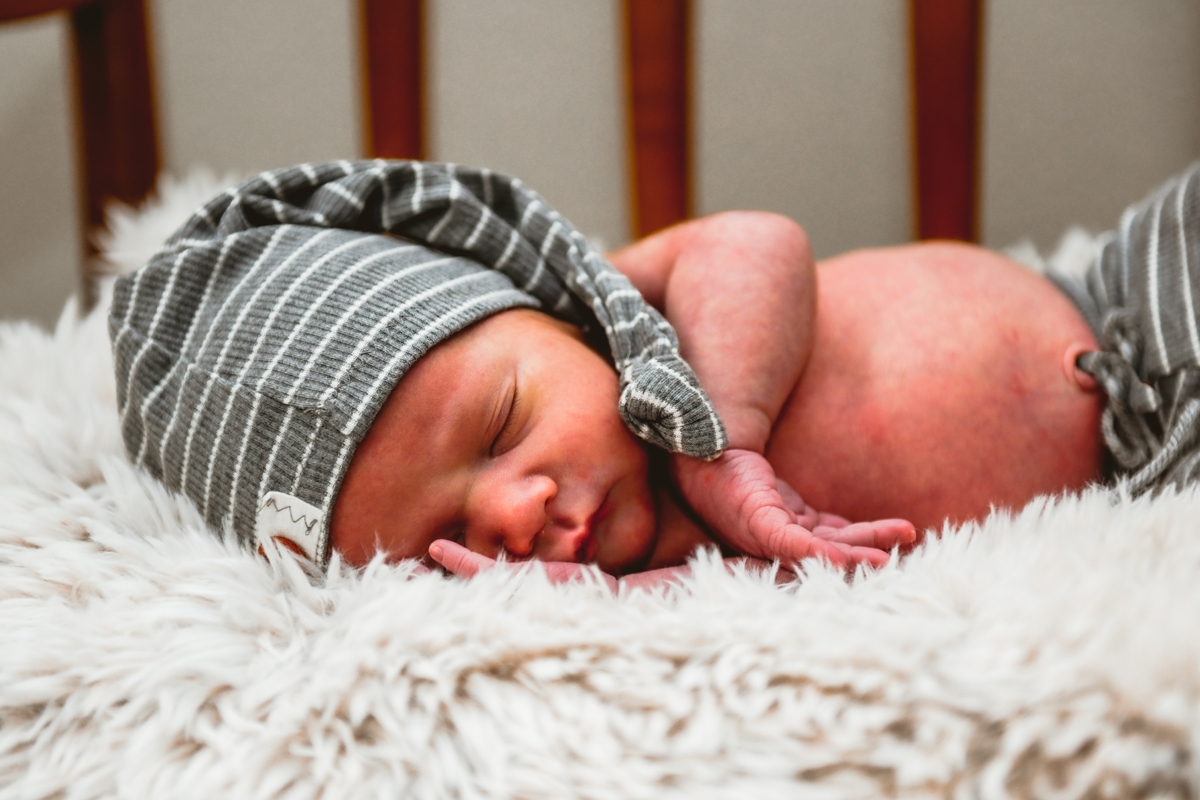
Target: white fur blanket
<point>1054,653</point>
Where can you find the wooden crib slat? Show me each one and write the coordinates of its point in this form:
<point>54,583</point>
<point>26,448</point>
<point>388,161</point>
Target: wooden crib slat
<point>116,126</point>
<point>393,77</point>
<point>115,117</point>
<point>657,34</point>
<point>115,99</point>
<point>19,9</point>
<point>945,40</point>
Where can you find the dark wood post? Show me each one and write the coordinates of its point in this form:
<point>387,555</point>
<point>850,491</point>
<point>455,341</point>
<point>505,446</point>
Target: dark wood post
<point>657,44</point>
<point>393,78</point>
<point>945,38</point>
<point>113,88</point>
<point>115,118</point>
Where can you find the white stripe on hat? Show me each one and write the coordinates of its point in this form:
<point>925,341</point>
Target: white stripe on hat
<point>348,314</point>
<point>387,320</point>
<point>1152,281</point>
<point>419,339</point>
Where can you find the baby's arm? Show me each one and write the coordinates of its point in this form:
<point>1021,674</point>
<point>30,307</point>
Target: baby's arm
<point>740,289</point>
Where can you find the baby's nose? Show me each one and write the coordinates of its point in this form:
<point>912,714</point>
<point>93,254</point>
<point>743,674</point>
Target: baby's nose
<point>516,515</point>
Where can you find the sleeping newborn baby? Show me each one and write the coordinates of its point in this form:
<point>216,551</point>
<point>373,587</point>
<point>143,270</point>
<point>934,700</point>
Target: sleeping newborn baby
<point>924,382</point>
<point>481,384</point>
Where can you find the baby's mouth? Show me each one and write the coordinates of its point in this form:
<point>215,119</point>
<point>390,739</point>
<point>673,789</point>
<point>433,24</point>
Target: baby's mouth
<point>589,543</point>
<point>585,545</point>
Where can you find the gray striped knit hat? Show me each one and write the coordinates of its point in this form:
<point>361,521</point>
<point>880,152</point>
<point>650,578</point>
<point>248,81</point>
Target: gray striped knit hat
<point>255,349</point>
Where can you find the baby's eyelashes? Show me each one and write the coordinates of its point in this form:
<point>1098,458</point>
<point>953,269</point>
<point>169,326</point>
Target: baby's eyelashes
<point>500,443</point>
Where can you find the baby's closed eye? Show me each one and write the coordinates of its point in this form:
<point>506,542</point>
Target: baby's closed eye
<point>504,437</point>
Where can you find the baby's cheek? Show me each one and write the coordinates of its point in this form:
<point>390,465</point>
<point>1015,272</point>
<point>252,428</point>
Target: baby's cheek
<point>628,536</point>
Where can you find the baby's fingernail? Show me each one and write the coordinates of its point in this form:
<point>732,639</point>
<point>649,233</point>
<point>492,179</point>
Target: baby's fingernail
<point>436,551</point>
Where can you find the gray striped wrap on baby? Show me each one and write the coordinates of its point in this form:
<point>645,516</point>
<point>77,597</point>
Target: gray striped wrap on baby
<point>254,350</point>
<point>1141,297</point>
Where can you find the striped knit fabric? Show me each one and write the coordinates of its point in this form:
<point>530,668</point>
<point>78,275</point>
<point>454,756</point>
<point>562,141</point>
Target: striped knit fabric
<point>1141,299</point>
<point>255,349</point>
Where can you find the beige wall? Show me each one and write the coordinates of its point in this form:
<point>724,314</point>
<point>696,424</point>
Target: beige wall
<point>39,218</point>
<point>247,85</point>
<point>801,108</point>
<point>534,88</point>
<point>1088,105</point>
<point>243,85</point>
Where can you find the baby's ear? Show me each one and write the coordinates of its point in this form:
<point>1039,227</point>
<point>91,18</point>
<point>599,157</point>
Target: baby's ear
<point>1075,374</point>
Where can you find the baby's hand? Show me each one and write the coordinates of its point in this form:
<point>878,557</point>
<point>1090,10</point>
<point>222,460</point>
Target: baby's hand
<point>750,509</point>
<point>465,563</point>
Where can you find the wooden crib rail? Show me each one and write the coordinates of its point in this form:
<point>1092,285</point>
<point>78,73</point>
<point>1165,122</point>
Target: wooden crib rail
<point>392,43</point>
<point>945,49</point>
<point>117,137</point>
<point>944,37</point>
<point>944,41</point>
<point>117,131</point>
<point>657,44</point>
<point>658,37</point>
<point>19,9</point>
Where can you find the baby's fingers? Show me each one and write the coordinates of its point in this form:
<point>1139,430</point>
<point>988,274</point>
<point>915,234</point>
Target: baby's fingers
<point>805,515</point>
<point>868,555</point>
<point>568,572</point>
<point>851,556</point>
<point>881,534</point>
<point>793,501</point>
<point>831,521</point>
<point>795,543</point>
<point>458,560</point>
<point>464,563</point>
<point>891,533</point>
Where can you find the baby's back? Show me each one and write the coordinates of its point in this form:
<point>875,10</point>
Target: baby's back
<point>937,387</point>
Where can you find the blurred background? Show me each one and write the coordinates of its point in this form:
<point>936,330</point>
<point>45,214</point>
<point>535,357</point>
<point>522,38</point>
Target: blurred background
<point>800,107</point>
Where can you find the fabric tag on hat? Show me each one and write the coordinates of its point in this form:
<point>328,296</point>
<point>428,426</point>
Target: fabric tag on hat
<point>283,515</point>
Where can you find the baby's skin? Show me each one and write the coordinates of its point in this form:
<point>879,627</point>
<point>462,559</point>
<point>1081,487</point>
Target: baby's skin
<point>921,383</point>
<point>942,381</point>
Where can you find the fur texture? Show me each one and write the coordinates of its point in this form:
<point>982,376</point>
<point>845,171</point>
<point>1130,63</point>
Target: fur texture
<point>1050,653</point>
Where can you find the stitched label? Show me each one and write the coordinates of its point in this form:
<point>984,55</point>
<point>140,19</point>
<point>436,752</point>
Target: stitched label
<point>283,515</point>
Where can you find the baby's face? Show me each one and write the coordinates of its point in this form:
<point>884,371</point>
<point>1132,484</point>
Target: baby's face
<point>507,439</point>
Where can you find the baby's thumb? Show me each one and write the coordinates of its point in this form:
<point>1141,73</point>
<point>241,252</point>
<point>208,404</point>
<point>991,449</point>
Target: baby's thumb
<point>457,559</point>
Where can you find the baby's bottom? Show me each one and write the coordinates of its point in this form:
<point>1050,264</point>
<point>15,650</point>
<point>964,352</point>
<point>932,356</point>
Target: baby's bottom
<point>937,389</point>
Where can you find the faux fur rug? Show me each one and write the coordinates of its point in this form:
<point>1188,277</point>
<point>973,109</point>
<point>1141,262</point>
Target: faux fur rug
<point>1054,653</point>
